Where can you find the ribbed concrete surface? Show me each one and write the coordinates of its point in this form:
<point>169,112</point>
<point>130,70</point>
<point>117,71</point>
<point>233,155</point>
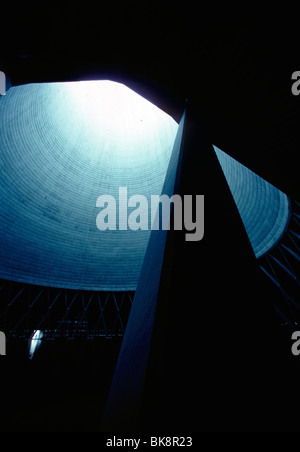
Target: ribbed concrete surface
<point>61,146</point>
<point>265,210</point>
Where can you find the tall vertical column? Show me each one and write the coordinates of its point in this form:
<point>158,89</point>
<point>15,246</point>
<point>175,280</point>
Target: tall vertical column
<point>197,354</point>
<point>126,395</point>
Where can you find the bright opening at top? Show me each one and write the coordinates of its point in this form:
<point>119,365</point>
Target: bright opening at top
<point>116,118</point>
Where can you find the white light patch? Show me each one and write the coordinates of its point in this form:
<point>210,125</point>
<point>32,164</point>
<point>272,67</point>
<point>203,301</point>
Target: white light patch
<point>114,118</point>
<point>35,342</point>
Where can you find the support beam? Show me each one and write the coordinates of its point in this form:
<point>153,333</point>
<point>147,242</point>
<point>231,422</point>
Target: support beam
<point>203,349</point>
<point>125,399</point>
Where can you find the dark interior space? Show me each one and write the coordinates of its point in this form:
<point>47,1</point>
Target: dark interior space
<point>219,342</point>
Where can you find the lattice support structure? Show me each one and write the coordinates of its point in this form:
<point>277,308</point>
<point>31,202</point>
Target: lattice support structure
<point>62,312</point>
<point>282,266</point>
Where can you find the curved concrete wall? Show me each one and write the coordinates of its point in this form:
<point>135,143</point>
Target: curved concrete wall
<point>264,209</point>
<point>62,145</point>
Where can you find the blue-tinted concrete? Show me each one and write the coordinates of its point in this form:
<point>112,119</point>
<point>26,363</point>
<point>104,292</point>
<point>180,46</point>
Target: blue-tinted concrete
<point>264,210</point>
<point>62,145</point>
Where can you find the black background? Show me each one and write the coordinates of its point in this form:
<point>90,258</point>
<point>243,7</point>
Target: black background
<point>234,63</point>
